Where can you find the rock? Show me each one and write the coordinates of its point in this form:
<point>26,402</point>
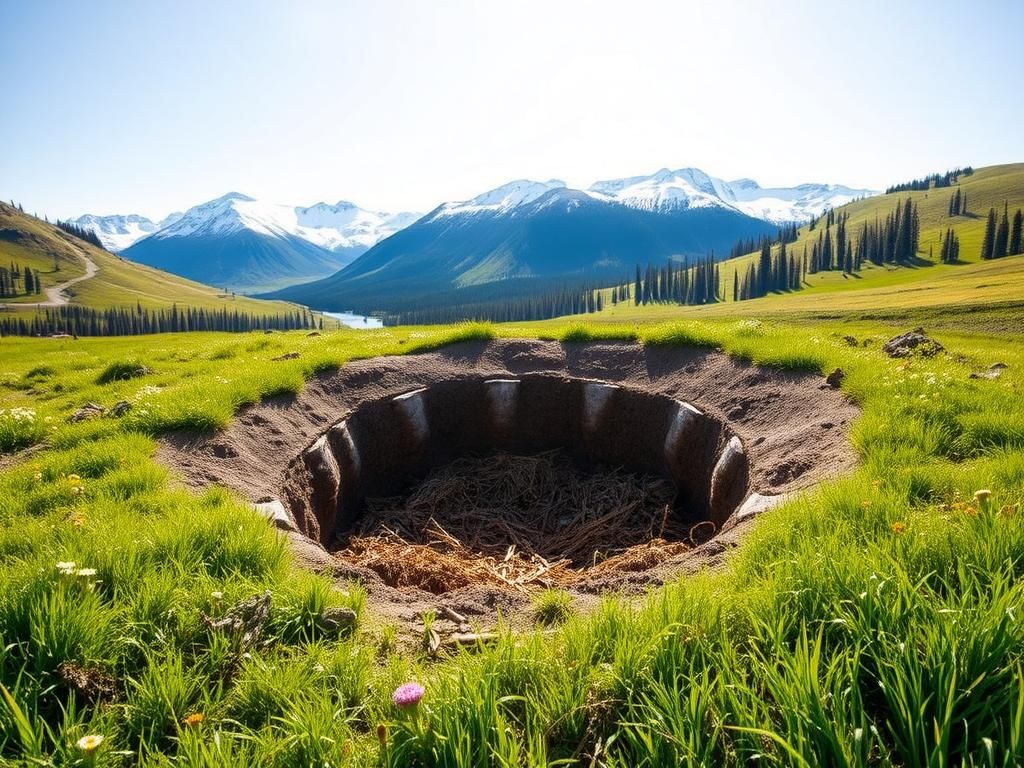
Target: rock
<point>994,372</point>
<point>275,513</point>
<point>244,621</point>
<point>338,620</point>
<point>119,409</point>
<point>755,504</point>
<point>728,481</point>
<point>914,342</point>
<point>835,379</point>
<point>286,356</point>
<point>850,341</point>
<point>86,412</point>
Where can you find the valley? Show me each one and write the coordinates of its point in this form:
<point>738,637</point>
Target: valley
<point>512,385</point>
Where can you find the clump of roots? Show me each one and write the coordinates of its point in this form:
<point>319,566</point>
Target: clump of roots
<point>515,521</point>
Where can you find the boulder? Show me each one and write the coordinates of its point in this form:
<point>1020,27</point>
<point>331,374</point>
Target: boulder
<point>86,412</point>
<point>911,343</point>
<point>336,621</point>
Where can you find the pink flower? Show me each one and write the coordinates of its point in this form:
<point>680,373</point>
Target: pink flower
<point>407,695</point>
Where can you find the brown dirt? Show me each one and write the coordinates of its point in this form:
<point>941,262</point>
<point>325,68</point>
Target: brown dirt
<point>793,426</point>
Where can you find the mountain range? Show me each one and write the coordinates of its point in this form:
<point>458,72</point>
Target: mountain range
<point>244,244</point>
<point>528,231</point>
<point>342,256</point>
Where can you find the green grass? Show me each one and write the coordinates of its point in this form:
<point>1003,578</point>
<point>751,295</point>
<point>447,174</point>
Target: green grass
<point>872,621</point>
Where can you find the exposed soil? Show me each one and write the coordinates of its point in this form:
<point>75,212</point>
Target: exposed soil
<point>792,426</point>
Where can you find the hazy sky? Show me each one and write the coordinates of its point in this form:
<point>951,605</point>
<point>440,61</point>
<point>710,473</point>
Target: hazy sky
<point>149,107</point>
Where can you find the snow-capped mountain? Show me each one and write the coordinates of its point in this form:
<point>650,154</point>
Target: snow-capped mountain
<point>118,232</point>
<point>693,188</point>
<point>527,230</point>
<point>522,235</point>
<point>246,244</point>
<point>340,227</point>
<point>501,199</point>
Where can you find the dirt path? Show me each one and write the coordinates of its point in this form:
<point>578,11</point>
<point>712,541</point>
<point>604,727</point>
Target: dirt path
<point>55,295</point>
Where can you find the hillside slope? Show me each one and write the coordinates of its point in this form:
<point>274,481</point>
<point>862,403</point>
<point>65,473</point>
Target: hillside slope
<point>117,282</point>
<point>989,187</point>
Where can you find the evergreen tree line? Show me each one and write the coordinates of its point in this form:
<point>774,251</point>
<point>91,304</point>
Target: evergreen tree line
<point>19,281</point>
<point>121,321</point>
<point>781,272</point>
<point>566,300</point>
<point>80,232</point>
<point>894,241</point>
<point>787,233</point>
<point>677,283</point>
<point>958,203</point>
<point>1001,237</point>
<point>947,179</point>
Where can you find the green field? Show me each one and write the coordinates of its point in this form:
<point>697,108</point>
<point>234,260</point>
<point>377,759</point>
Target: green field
<point>872,621</point>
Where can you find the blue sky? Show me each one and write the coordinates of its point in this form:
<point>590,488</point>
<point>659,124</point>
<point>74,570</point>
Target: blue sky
<point>151,106</point>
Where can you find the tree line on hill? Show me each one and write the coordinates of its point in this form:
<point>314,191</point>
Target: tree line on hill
<point>544,304</point>
<point>80,232</point>
<point>675,283</point>
<point>894,240</point>
<point>787,233</point>
<point>939,180</point>
<point>1001,237</point>
<point>16,280</point>
<point>120,321</point>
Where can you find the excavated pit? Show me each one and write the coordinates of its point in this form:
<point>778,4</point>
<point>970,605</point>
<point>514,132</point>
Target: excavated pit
<point>636,467</point>
<point>484,470</point>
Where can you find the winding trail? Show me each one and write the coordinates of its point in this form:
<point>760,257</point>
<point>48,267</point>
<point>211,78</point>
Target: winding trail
<point>55,294</point>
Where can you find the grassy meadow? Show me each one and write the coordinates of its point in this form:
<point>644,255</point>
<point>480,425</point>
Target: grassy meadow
<point>875,620</point>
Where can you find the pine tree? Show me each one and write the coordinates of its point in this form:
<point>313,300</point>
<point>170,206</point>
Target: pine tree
<point>999,247</point>
<point>1016,246</point>
<point>764,270</point>
<point>988,243</point>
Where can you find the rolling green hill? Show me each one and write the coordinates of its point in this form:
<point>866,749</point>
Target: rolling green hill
<point>986,188</point>
<point>927,286</point>
<point>110,281</point>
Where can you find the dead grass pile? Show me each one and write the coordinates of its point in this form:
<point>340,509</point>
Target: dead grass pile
<point>517,521</point>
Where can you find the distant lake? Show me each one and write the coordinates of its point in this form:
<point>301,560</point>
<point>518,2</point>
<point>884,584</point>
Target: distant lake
<point>356,321</point>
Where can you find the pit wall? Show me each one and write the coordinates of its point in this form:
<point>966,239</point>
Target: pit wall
<point>386,446</point>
